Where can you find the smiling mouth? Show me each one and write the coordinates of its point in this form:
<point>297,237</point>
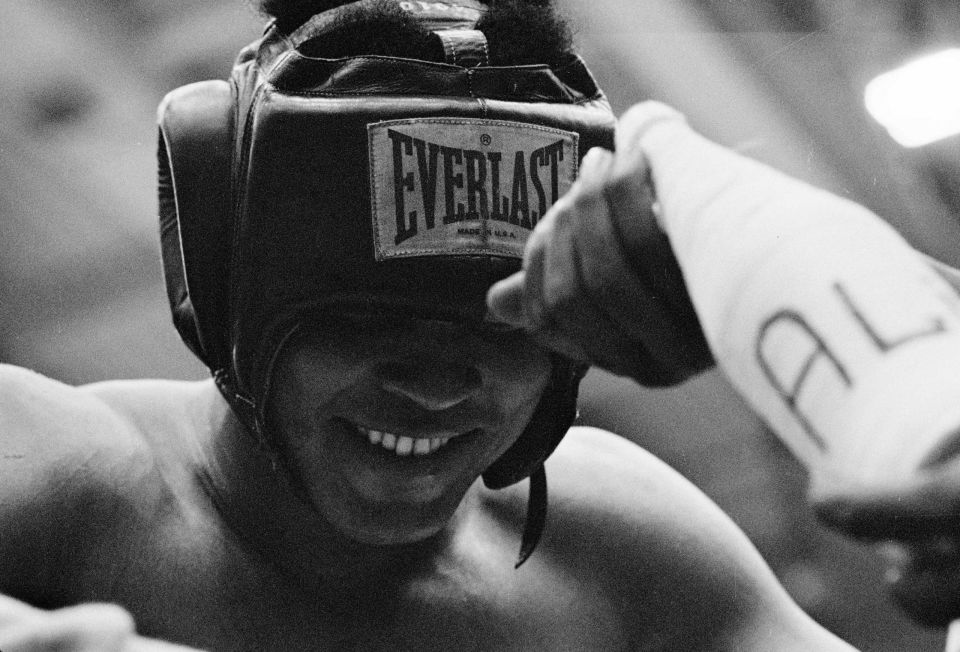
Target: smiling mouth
<point>400,445</point>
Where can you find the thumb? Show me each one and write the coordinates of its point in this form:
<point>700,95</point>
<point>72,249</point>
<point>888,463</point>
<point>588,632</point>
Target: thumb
<point>505,300</point>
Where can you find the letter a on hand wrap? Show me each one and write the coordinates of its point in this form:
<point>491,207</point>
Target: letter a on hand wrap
<point>305,182</point>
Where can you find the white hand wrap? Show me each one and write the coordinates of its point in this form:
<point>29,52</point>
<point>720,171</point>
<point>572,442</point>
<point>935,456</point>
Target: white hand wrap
<point>838,333</point>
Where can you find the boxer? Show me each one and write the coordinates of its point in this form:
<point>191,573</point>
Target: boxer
<point>373,445</point>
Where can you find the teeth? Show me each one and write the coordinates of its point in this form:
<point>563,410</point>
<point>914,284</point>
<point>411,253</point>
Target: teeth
<point>403,446</point>
<point>421,447</point>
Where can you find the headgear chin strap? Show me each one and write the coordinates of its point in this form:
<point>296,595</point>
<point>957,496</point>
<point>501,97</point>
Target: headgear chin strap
<point>305,182</point>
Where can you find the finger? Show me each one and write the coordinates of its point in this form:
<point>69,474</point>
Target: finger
<point>84,628</point>
<point>548,297</point>
<point>505,300</point>
<point>557,341</point>
<point>585,273</point>
<point>515,300</point>
<point>610,300</point>
<point>580,243</point>
<point>12,610</point>
<point>629,266</point>
<point>922,507</point>
<point>584,322</point>
<point>574,323</point>
<point>543,315</point>
<point>560,301</point>
<point>534,310</point>
<point>594,169</point>
<point>668,318</point>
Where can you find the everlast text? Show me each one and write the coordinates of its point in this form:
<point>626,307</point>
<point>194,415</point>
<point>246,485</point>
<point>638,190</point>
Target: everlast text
<point>466,184</point>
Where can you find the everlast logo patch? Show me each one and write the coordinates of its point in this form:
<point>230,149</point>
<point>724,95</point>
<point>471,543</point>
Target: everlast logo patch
<point>445,186</point>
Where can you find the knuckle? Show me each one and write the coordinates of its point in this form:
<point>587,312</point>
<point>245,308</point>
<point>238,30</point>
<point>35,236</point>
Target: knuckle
<point>595,164</point>
<point>559,297</point>
<point>585,202</point>
<point>625,182</point>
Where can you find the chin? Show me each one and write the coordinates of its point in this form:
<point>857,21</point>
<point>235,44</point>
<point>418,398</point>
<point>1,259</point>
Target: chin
<point>391,533</point>
<point>392,536</point>
<point>388,524</point>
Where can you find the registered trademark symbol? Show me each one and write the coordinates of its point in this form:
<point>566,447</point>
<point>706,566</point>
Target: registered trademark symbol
<point>485,139</point>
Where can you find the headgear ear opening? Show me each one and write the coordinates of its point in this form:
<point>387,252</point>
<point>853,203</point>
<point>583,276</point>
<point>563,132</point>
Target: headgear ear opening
<point>305,180</point>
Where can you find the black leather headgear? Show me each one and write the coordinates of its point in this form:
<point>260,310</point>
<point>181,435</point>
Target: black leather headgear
<point>381,181</point>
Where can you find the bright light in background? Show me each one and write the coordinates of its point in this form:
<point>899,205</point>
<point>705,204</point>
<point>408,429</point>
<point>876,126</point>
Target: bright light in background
<point>918,103</point>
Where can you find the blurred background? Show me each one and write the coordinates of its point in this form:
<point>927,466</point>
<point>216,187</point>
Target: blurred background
<point>81,295</point>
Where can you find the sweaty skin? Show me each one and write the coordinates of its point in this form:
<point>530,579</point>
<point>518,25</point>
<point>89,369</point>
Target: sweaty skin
<point>147,494</point>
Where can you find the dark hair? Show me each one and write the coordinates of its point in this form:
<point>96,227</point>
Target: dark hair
<point>384,28</point>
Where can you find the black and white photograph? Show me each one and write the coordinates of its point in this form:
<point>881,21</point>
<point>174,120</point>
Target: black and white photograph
<point>480,326</point>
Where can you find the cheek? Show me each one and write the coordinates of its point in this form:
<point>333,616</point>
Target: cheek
<point>306,379</point>
<point>518,380</point>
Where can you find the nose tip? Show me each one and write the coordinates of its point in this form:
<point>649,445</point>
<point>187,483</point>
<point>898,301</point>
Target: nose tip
<point>433,387</point>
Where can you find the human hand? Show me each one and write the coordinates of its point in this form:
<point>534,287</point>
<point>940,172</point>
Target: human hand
<point>600,283</point>
<point>839,334</point>
<point>915,523</point>
<point>92,627</point>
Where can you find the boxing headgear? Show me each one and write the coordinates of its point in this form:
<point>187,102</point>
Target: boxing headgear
<point>305,182</point>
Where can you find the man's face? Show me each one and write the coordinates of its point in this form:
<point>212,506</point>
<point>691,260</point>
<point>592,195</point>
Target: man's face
<point>387,421</point>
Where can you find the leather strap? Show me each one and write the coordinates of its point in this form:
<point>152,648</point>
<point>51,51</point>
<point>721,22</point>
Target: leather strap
<point>466,48</point>
<point>536,515</point>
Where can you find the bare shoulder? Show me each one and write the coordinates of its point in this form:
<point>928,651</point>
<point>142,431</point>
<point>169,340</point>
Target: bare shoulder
<point>46,425</point>
<point>680,572</point>
<point>59,441</point>
<point>614,487</point>
<point>73,465</point>
<point>43,421</point>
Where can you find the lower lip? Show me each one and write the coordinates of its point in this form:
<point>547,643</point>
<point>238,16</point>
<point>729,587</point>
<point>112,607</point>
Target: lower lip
<point>380,473</point>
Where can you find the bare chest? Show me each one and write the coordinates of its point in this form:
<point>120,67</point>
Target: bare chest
<point>532,610</point>
<point>233,602</point>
